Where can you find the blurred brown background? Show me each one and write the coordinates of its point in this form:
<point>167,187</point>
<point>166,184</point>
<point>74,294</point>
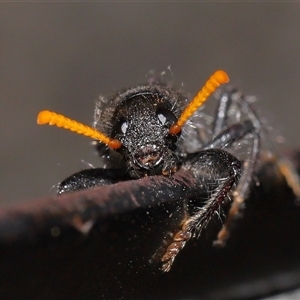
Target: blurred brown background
<point>61,56</point>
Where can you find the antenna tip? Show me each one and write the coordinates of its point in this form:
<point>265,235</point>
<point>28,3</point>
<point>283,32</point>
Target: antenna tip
<point>44,117</point>
<point>221,76</point>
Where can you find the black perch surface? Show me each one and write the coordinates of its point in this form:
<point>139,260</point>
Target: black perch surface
<point>100,244</point>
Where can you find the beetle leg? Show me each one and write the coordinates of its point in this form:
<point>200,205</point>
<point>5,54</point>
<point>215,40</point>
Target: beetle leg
<point>194,224</point>
<point>242,190</point>
<point>90,178</point>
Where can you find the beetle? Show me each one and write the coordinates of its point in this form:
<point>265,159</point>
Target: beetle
<point>144,131</point>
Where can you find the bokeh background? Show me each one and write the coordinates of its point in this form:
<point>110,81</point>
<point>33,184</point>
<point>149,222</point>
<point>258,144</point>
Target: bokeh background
<point>62,56</point>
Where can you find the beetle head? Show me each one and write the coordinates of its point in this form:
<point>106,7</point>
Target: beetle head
<point>141,123</point>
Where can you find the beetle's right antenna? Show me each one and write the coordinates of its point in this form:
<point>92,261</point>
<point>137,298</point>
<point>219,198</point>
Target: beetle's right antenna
<point>52,118</point>
<point>218,78</point>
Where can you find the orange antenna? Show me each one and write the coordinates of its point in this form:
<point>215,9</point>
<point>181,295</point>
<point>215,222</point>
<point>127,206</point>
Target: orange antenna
<point>52,118</point>
<point>218,78</point>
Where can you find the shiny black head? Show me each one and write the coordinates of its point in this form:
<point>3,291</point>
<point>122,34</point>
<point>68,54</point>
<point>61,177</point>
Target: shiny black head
<point>141,120</point>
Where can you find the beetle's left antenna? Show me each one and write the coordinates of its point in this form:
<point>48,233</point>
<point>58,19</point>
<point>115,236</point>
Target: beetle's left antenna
<point>52,118</point>
<point>218,78</point>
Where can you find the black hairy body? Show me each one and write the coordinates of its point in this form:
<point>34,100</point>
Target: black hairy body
<point>140,118</point>
<point>141,109</point>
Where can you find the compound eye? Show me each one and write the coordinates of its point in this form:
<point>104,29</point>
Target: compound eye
<point>120,127</point>
<point>165,116</point>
